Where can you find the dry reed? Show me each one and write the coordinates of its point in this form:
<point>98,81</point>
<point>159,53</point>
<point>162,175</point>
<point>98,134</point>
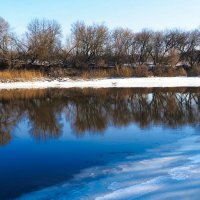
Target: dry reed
<point>20,75</point>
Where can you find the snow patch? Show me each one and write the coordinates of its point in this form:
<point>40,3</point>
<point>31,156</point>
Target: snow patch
<point>107,83</point>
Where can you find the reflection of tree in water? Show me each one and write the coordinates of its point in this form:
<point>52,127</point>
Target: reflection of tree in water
<point>94,110</point>
<point>5,138</point>
<point>89,115</point>
<point>9,117</point>
<point>90,110</point>
<point>43,113</point>
<point>44,117</point>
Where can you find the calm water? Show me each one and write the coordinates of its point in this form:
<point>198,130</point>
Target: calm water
<point>100,144</point>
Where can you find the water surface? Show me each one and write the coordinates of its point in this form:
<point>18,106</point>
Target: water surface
<point>100,144</point>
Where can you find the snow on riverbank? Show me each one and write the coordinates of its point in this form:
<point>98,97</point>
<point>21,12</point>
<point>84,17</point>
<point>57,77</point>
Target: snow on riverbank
<point>107,83</point>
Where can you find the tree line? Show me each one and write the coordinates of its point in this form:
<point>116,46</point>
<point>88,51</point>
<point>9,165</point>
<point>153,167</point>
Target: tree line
<point>96,45</point>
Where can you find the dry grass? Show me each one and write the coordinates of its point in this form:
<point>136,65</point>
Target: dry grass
<point>76,73</point>
<point>95,74</point>
<point>107,73</point>
<point>169,72</point>
<point>124,72</point>
<point>142,71</point>
<point>20,75</point>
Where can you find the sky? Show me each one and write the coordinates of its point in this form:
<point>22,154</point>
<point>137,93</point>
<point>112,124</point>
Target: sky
<point>133,14</point>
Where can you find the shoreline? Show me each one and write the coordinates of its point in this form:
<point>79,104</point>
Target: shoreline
<point>147,82</point>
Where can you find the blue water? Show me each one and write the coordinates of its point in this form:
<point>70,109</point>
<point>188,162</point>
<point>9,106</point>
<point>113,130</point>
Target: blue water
<point>119,162</point>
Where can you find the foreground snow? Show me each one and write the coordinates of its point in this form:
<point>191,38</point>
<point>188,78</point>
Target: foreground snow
<point>107,83</point>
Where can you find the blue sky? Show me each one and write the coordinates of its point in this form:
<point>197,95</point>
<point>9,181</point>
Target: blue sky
<point>134,14</point>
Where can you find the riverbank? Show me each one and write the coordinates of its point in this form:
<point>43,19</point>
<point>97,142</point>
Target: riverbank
<point>149,82</point>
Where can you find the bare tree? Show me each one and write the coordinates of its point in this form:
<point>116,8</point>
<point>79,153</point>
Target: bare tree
<point>89,42</point>
<point>43,41</point>
<point>121,42</point>
<point>141,46</point>
<point>8,51</point>
<point>161,47</point>
<point>4,40</point>
<point>188,44</point>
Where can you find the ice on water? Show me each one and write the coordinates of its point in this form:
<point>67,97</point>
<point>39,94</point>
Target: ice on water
<point>167,172</point>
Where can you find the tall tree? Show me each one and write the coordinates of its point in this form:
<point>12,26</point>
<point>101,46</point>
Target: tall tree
<point>89,42</point>
<point>141,46</point>
<point>4,39</point>
<point>43,41</point>
<point>188,44</point>
<point>121,42</point>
